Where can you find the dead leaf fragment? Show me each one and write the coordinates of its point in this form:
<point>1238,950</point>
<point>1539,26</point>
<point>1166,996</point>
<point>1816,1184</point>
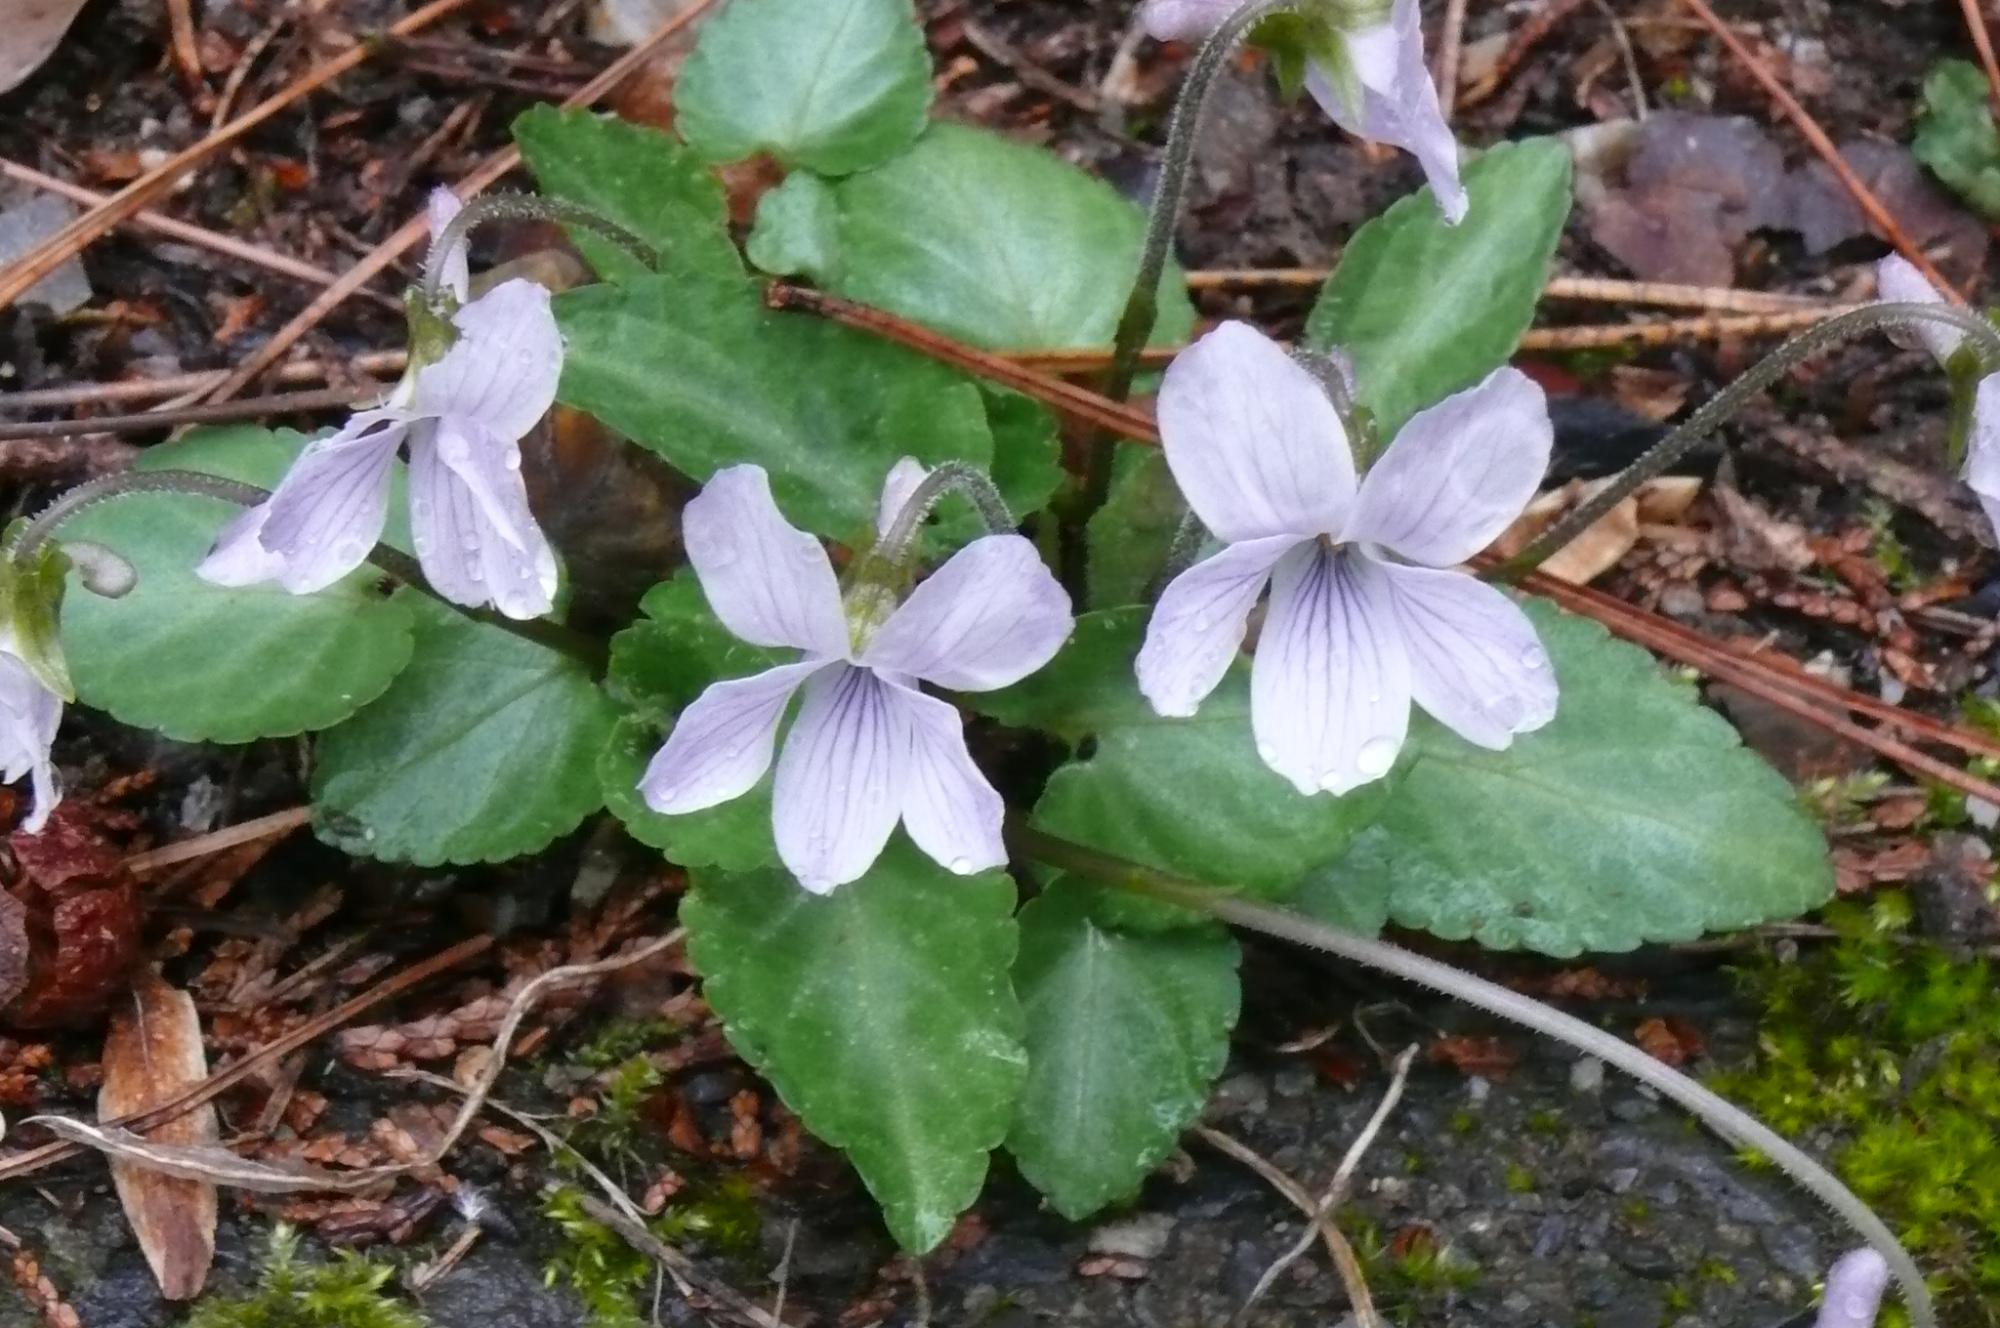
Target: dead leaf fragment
<point>152,1053</point>
<point>30,31</point>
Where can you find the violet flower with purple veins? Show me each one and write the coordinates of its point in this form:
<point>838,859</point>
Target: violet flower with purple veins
<point>463,415</point>
<point>1854,1288</point>
<point>868,748</point>
<point>1368,612</point>
<point>1898,281</point>
<point>1368,74</point>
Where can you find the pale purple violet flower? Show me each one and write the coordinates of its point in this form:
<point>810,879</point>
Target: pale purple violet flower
<point>1367,613</point>
<point>463,417</point>
<point>868,748</point>
<point>1384,94</point>
<point>1898,281</point>
<point>1854,1287</point>
<point>29,716</point>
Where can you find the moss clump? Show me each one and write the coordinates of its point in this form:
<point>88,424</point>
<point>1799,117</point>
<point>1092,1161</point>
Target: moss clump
<point>1412,1274</point>
<point>595,1263</point>
<point>347,1293</point>
<point>1890,1051</point>
<point>619,1040</point>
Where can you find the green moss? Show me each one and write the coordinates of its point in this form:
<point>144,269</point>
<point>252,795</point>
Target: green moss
<point>1520,1180</point>
<point>619,1040</point>
<point>1890,1049</point>
<point>612,1279</point>
<point>1411,1283</point>
<point>347,1293</point>
<point>722,1216</point>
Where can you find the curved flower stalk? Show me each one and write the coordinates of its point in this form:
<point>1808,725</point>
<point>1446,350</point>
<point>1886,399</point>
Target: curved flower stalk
<point>1364,66</point>
<point>1898,281</point>
<point>463,414</point>
<point>868,748</point>
<point>1368,610</point>
<point>1854,1288</point>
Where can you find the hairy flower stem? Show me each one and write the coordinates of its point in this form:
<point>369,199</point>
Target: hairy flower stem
<point>38,532</point>
<point>1815,340</point>
<point>1734,1124</point>
<point>1142,306</point>
<point>948,477</point>
<point>499,207</point>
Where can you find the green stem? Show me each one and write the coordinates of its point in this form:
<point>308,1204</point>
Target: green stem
<point>39,531</point>
<point>498,207</point>
<point>1734,1124</point>
<point>1717,409</point>
<point>947,477</point>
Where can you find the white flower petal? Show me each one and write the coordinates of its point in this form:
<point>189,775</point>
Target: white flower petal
<point>1184,20</point>
<point>1982,447</point>
<point>769,581</point>
<point>839,789</point>
<point>989,617</point>
<point>1252,439</point>
<point>1854,1288</point>
<point>722,744</point>
<point>503,369</point>
<point>1197,627</point>
<point>1897,281</point>
<point>904,479</point>
<point>474,535</point>
<point>239,557</point>
<point>1476,662</point>
<point>442,206</point>
<point>950,810</point>
<point>1330,687</point>
<point>30,714</point>
<point>1399,103</point>
<point>1458,473</point>
<point>325,516</point>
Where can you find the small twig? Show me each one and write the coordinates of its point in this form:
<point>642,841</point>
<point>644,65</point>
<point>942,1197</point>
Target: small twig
<point>1885,221</point>
<point>20,275</point>
<point>245,59</point>
<point>1336,1190</point>
<point>1602,290</point>
<point>218,841</point>
<point>180,30</point>
<point>784,1275</point>
<point>1675,330</point>
<point>415,231</point>
<point>34,1159</point>
<point>641,1238</point>
<point>1076,402</point>
<point>1528,36</point>
<point>1982,41</point>
<point>1011,58</point>
<point>1337,1246</point>
<point>289,403</point>
<point>383,364</point>
<point>1450,45</point>
<point>159,223</point>
<point>1628,56</point>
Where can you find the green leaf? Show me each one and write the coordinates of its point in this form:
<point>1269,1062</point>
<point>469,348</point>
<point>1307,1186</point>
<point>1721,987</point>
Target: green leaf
<point>697,370</point>
<point>639,178</point>
<point>1425,308</point>
<point>831,85</point>
<point>1189,796</point>
<point>1132,533</point>
<point>484,749</point>
<point>204,663</point>
<point>994,242</point>
<point>1637,816</point>
<point>883,1015</point>
<point>1956,137</point>
<point>1125,1034</point>
<point>659,665</point>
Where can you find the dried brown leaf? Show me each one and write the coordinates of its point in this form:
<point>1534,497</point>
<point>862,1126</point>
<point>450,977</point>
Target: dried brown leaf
<point>152,1053</point>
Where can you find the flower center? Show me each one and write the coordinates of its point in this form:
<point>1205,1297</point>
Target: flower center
<point>868,605</point>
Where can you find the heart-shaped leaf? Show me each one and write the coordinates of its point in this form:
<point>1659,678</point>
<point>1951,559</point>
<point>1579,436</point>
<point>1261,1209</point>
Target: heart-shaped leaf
<point>830,85</point>
<point>1125,1034</point>
<point>206,663</point>
<point>484,749</point>
<point>882,1013</point>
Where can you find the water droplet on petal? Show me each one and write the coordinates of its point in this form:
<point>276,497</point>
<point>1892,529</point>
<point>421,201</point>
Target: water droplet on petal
<point>963,866</point>
<point>350,551</point>
<point>420,510</point>
<point>1376,756</point>
<point>1267,753</point>
<point>1534,657</point>
<point>665,792</point>
<point>423,545</point>
<point>1203,621</point>
<point>470,543</point>
<point>454,450</point>
<point>513,458</point>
